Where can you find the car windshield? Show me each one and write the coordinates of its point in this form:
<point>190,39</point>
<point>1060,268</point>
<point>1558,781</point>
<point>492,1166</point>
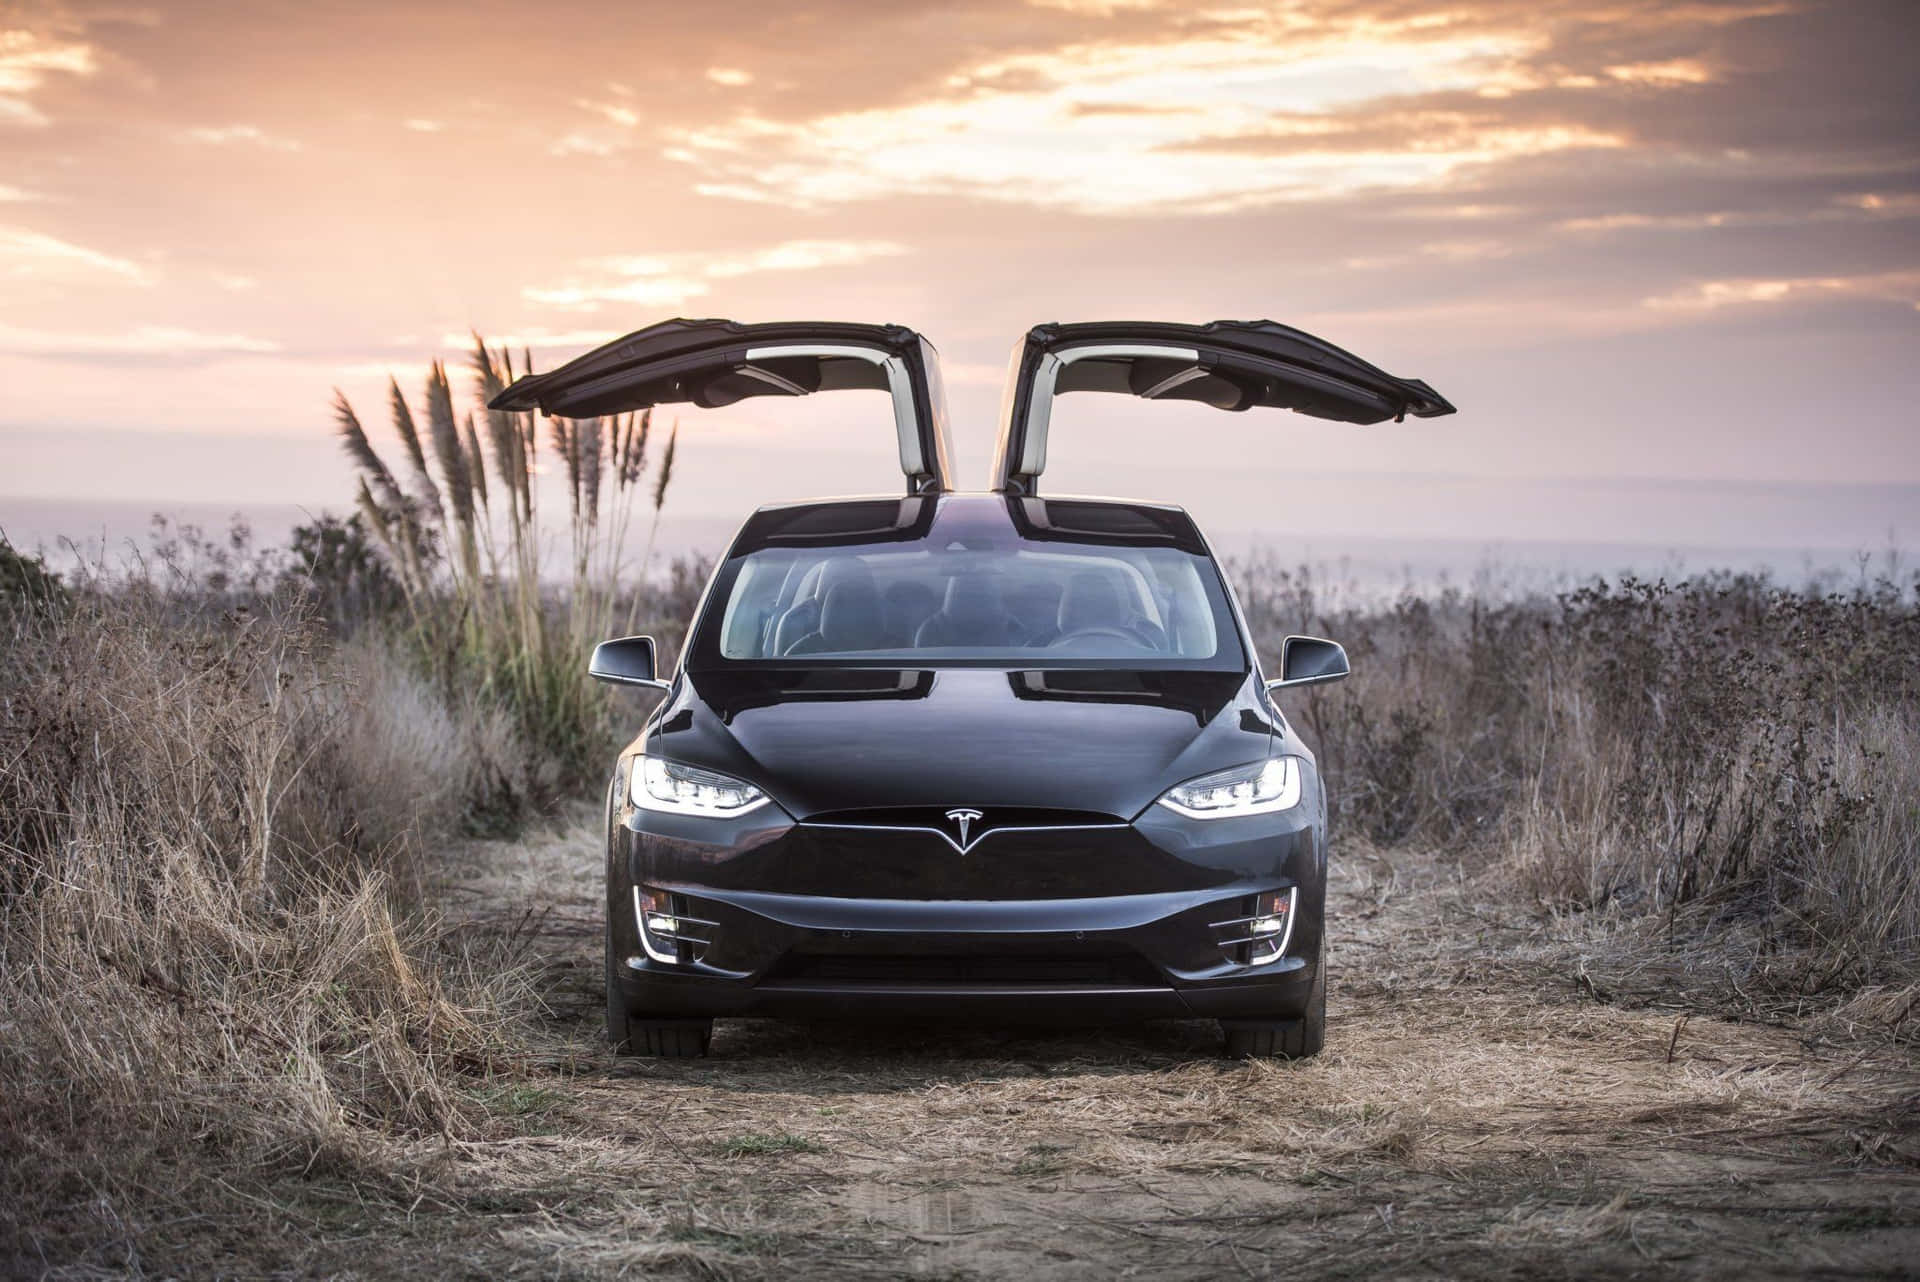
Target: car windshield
<point>940,600</point>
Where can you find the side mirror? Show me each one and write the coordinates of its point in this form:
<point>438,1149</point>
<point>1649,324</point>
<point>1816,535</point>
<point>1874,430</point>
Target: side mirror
<point>1310,661</point>
<point>627,662</point>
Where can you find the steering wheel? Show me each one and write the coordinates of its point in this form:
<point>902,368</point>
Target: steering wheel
<point>1101,630</point>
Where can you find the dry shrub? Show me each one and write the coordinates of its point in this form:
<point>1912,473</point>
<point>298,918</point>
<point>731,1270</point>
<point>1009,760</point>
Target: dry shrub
<point>1869,879</point>
<point>204,976</point>
<point>409,755</point>
<point>1720,756</point>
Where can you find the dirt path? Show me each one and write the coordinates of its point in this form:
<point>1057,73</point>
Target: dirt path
<point>1494,1101</point>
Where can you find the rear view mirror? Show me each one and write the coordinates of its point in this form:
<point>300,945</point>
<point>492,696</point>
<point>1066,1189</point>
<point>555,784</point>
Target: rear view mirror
<point>627,662</point>
<point>1310,661</point>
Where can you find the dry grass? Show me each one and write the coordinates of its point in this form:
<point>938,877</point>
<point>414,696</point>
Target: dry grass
<point>208,981</point>
<point>1722,758</point>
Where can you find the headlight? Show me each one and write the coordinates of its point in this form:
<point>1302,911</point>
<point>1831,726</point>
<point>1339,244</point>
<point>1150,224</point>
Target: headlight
<point>1262,788</point>
<point>688,790</point>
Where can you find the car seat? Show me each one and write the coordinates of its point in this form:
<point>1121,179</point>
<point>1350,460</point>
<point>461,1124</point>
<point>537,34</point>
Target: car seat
<point>850,621</point>
<point>971,615</point>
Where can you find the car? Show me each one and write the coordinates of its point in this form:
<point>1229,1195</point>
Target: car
<point>950,755</point>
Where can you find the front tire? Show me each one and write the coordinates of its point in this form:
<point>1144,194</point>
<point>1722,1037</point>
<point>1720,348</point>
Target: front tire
<point>655,1038</point>
<point>1299,1038</point>
<point>670,1038</point>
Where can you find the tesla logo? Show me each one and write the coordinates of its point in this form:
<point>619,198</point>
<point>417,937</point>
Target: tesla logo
<point>965,819</point>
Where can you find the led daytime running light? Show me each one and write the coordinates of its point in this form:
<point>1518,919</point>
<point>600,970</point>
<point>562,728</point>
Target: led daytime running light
<point>1258,788</point>
<point>688,790</point>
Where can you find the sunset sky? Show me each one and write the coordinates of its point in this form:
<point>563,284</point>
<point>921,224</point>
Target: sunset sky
<point>1664,256</point>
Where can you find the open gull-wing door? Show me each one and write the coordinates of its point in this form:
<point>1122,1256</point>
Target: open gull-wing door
<point>1231,365</point>
<point>711,363</point>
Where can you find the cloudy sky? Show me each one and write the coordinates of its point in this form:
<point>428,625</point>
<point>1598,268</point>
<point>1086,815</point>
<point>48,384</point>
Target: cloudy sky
<point>1665,256</point>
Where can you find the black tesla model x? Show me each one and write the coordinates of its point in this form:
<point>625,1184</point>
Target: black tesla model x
<point>987,755</point>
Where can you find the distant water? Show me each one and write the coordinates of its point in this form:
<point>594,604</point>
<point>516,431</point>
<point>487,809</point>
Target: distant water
<point>67,531</point>
<point>1344,566</point>
<point>1371,569</point>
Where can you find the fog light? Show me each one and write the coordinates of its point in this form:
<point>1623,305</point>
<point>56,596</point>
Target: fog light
<point>647,911</point>
<point>668,929</point>
<point>635,962</point>
<point>1272,928</point>
<point>1261,937</point>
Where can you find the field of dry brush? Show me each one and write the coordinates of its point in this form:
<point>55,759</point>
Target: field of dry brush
<point>301,973</point>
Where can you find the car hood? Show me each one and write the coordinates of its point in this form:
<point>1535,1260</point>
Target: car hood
<point>821,740</point>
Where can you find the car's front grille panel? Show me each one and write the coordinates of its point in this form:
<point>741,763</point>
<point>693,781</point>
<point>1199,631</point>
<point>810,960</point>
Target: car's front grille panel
<point>935,818</point>
<point>903,855</point>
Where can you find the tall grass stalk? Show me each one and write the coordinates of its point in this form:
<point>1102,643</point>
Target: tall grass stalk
<point>468,549</point>
<point>660,484</point>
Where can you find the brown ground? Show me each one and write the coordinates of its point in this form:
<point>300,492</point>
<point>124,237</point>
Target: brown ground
<point>1502,1095</point>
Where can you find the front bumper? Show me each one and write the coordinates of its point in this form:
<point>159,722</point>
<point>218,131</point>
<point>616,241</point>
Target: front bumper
<point>791,924</point>
<point>1109,959</point>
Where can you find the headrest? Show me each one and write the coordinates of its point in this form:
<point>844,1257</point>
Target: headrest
<point>1092,601</point>
<point>844,569</point>
<point>909,594</point>
<point>1034,599</point>
<point>850,617</point>
<point>972,596</point>
<point>810,582</point>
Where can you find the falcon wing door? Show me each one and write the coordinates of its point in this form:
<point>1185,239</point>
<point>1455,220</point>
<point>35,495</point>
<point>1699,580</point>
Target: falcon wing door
<point>1230,365</point>
<point>711,363</point>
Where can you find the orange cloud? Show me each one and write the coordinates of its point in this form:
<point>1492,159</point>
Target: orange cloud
<point>26,58</point>
<point>31,254</point>
<point>672,279</point>
<point>225,135</point>
<point>143,340</point>
<point>1897,286</point>
<point>1218,121</point>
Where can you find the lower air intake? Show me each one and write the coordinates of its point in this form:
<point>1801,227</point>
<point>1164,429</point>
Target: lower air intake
<point>1115,971</point>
